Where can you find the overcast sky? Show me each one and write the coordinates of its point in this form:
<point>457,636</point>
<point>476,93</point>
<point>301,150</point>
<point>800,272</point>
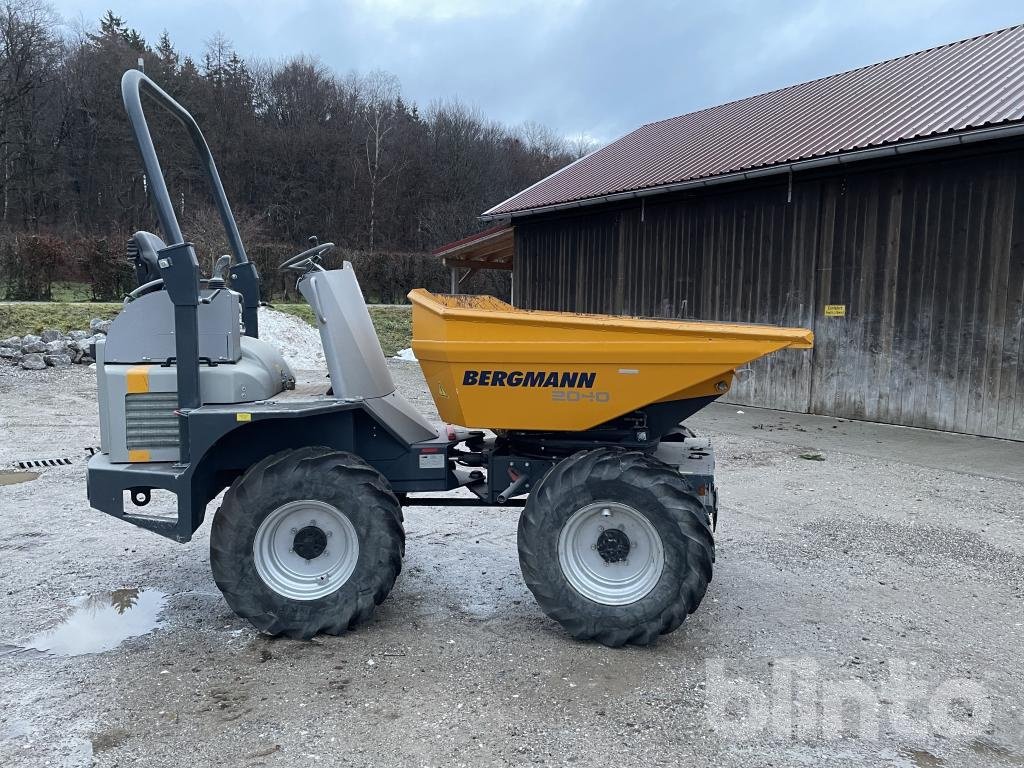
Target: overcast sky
<point>600,67</point>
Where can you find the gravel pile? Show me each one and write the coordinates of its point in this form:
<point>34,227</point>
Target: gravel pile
<point>297,340</point>
<point>53,348</point>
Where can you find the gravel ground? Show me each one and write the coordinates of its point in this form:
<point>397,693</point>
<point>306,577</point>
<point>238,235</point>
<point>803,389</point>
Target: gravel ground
<point>853,577</point>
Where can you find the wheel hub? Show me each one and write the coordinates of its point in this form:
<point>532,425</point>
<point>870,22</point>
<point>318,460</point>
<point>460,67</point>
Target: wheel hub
<point>310,542</point>
<point>305,549</point>
<point>611,553</point>
<point>613,545</point>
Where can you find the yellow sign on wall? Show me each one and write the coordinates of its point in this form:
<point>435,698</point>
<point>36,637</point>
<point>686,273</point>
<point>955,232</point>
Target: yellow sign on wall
<point>835,310</point>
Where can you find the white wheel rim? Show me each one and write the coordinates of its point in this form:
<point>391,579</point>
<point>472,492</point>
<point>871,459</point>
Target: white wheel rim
<point>305,549</point>
<point>591,546</point>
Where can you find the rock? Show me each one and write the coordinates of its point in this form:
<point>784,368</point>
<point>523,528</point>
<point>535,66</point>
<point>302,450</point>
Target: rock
<point>33,347</point>
<point>11,341</point>
<point>76,335</point>
<point>10,353</point>
<point>33,362</point>
<point>79,350</point>
<point>57,347</point>
<point>57,361</point>
<point>96,325</point>
<point>50,335</point>
<point>29,339</point>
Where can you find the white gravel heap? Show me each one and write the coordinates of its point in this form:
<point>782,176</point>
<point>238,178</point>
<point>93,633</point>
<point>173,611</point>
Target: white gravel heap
<point>298,341</point>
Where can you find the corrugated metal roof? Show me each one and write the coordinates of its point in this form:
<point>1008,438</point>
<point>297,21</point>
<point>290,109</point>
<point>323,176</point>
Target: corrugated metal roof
<point>957,87</point>
<point>491,232</point>
<point>493,248</point>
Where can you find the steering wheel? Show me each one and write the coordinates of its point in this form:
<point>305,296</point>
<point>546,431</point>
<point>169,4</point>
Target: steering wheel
<point>310,256</point>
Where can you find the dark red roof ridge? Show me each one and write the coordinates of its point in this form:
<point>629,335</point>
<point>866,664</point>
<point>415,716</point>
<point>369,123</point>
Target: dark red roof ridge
<point>910,55</point>
<point>923,94</point>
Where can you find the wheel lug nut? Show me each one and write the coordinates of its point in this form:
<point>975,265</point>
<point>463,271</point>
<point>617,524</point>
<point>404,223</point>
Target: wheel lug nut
<point>329,534</point>
<point>293,531</point>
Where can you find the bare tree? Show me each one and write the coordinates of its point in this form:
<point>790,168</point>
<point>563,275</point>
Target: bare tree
<point>29,55</point>
<point>380,91</point>
<point>582,145</point>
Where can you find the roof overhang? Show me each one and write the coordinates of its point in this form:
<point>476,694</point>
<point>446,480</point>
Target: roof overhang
<point>841,158</point>
<point>491,249</point>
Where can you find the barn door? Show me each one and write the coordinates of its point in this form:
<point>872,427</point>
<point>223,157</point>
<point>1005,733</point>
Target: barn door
<point>919,289</point>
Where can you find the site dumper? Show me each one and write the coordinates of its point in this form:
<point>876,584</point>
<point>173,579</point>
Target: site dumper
<point>576,420</point>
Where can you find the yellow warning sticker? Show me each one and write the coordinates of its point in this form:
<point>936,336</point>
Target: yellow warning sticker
<point>835,310</point>
<point>243,417</point>
<point>440,390</point>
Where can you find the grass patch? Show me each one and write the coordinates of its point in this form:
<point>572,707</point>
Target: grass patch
<point>394,327</point>
<point>71,292</point>
<point>20,318</point>
<point>393,324</point>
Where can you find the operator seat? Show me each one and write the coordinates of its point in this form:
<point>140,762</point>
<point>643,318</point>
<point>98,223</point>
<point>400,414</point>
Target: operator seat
<point>142,249</point>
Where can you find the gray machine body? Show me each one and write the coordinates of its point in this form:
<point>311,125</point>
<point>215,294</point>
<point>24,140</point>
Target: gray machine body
<point>354,357</point>
<point>694,458</point>
<point>355,361</point>
<point>143,332</point>
<point>138,386</point>
<point>137,379</point>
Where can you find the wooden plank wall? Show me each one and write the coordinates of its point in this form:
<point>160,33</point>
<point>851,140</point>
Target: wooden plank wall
<point>927,256</point>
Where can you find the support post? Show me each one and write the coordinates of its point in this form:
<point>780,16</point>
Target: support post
<point>454,272</point>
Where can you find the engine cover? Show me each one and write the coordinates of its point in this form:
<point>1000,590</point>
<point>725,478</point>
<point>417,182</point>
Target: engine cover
<point>137,402</point>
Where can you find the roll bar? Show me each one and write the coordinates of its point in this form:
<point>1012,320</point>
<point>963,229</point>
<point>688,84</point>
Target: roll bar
<point>178,265</point>
<point>243,274</point>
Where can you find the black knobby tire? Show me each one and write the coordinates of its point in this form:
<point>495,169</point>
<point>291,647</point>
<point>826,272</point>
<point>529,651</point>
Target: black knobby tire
<point>340,479</point>
<point>646,485</point>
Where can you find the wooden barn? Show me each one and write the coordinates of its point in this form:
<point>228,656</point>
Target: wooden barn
<point>881,207</point>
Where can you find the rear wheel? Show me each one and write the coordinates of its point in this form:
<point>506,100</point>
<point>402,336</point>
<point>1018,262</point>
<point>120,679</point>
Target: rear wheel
<point>307,541</point>
<point>615,548</point>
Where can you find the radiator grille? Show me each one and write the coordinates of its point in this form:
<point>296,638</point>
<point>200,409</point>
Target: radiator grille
<point>150,420</point>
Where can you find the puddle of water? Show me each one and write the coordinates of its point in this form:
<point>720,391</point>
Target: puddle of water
<point>996,754</point>
<point>922,758</point>
<point>13,478</point>
<point>102,622</point>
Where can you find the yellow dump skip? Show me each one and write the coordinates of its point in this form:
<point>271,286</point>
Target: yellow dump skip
<point>490,365</point>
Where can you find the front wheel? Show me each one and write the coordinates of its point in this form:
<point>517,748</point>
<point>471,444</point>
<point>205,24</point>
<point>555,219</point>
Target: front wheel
<point>307,541</point>
<point>615,548</point>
